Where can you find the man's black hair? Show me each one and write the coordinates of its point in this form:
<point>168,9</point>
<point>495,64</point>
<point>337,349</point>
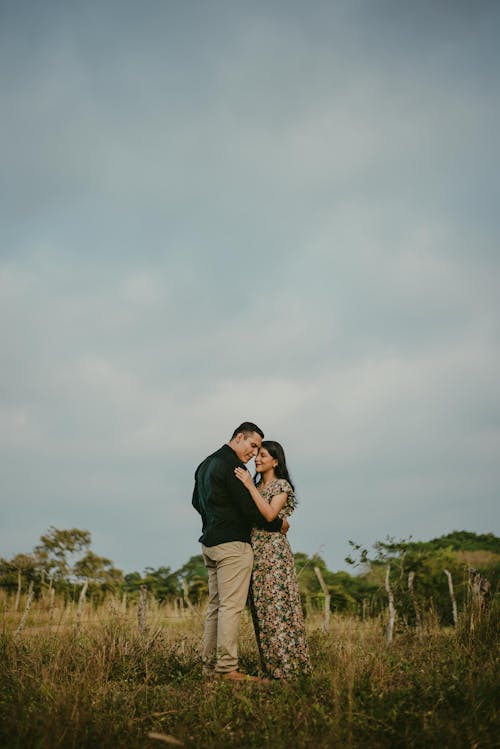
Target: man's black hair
<point>247,428</point>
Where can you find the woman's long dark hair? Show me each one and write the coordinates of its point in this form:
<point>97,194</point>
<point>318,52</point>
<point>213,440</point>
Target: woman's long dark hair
<point>276,451</point>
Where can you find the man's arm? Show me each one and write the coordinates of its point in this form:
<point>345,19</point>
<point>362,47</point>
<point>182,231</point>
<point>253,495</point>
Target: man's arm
<point>196,500</point>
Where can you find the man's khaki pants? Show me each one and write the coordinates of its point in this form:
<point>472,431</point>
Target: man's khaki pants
<point>229,570</point>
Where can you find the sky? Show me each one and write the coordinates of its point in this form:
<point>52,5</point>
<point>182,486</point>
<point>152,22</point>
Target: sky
<point>281,212</point>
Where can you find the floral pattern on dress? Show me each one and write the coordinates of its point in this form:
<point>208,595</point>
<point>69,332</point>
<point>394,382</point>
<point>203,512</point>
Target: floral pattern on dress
<point>275,598</point>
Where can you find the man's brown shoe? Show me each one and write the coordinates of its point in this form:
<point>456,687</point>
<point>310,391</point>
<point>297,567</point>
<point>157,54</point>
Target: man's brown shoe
<point>237,676</point>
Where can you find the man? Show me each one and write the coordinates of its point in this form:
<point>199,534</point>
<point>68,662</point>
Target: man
<point>228,514</point>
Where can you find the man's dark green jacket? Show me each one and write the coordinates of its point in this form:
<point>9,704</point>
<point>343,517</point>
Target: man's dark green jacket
<point>225,505</point>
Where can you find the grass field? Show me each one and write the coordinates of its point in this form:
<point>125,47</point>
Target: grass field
<point>102,683</point>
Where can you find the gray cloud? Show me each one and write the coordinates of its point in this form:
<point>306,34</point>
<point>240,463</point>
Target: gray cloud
<point>212,214</point>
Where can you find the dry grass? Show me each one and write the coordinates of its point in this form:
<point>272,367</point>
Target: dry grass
<point>107,685</point>
<point>478,559</point>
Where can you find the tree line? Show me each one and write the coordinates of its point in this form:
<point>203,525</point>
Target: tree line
<point>416,574</point>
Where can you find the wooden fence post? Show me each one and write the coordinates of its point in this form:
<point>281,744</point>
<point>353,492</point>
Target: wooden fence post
<point>18,591</point>
<point>326,622</point>
<point>52,594</point>
<point>185,590</point>
<point>141,611</point>
<point>452,596</point>
<point>81,602</point>
<point>392,610</point>
<point>481,589</point>
<point>26,611</point>
<point>414,601</point>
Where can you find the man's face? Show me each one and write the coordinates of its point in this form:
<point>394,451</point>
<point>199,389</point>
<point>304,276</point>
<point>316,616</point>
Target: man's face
<point>247,447</point>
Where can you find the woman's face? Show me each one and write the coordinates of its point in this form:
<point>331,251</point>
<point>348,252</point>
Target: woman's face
<point>264,461</point>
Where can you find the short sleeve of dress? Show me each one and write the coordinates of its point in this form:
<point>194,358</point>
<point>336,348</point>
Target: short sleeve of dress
<point>289,507</point>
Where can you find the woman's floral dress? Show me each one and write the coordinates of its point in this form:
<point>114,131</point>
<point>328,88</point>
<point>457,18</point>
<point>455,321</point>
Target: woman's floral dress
<point>275,598</point>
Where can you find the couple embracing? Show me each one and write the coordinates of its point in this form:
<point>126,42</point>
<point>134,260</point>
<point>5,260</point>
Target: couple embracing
<point>247,554</point>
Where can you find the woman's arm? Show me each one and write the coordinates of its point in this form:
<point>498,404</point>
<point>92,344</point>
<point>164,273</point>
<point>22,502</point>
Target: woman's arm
<point>269,510</point>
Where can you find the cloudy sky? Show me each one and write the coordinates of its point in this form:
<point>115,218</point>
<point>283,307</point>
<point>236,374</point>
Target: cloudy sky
<point>278,211</point>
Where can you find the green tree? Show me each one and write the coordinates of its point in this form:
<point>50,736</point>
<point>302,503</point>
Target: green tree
<point>162,582</point>
<point>98,570</point>
<point>14,571</point>
<point>428,561</point>
<point>57,548</point>
<point>194,575</point>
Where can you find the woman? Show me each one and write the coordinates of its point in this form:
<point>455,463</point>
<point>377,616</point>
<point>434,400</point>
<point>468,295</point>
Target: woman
<point>274,592</point>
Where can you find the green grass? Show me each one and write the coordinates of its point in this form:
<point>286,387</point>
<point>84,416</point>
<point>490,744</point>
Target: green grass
<point>109,686</point>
